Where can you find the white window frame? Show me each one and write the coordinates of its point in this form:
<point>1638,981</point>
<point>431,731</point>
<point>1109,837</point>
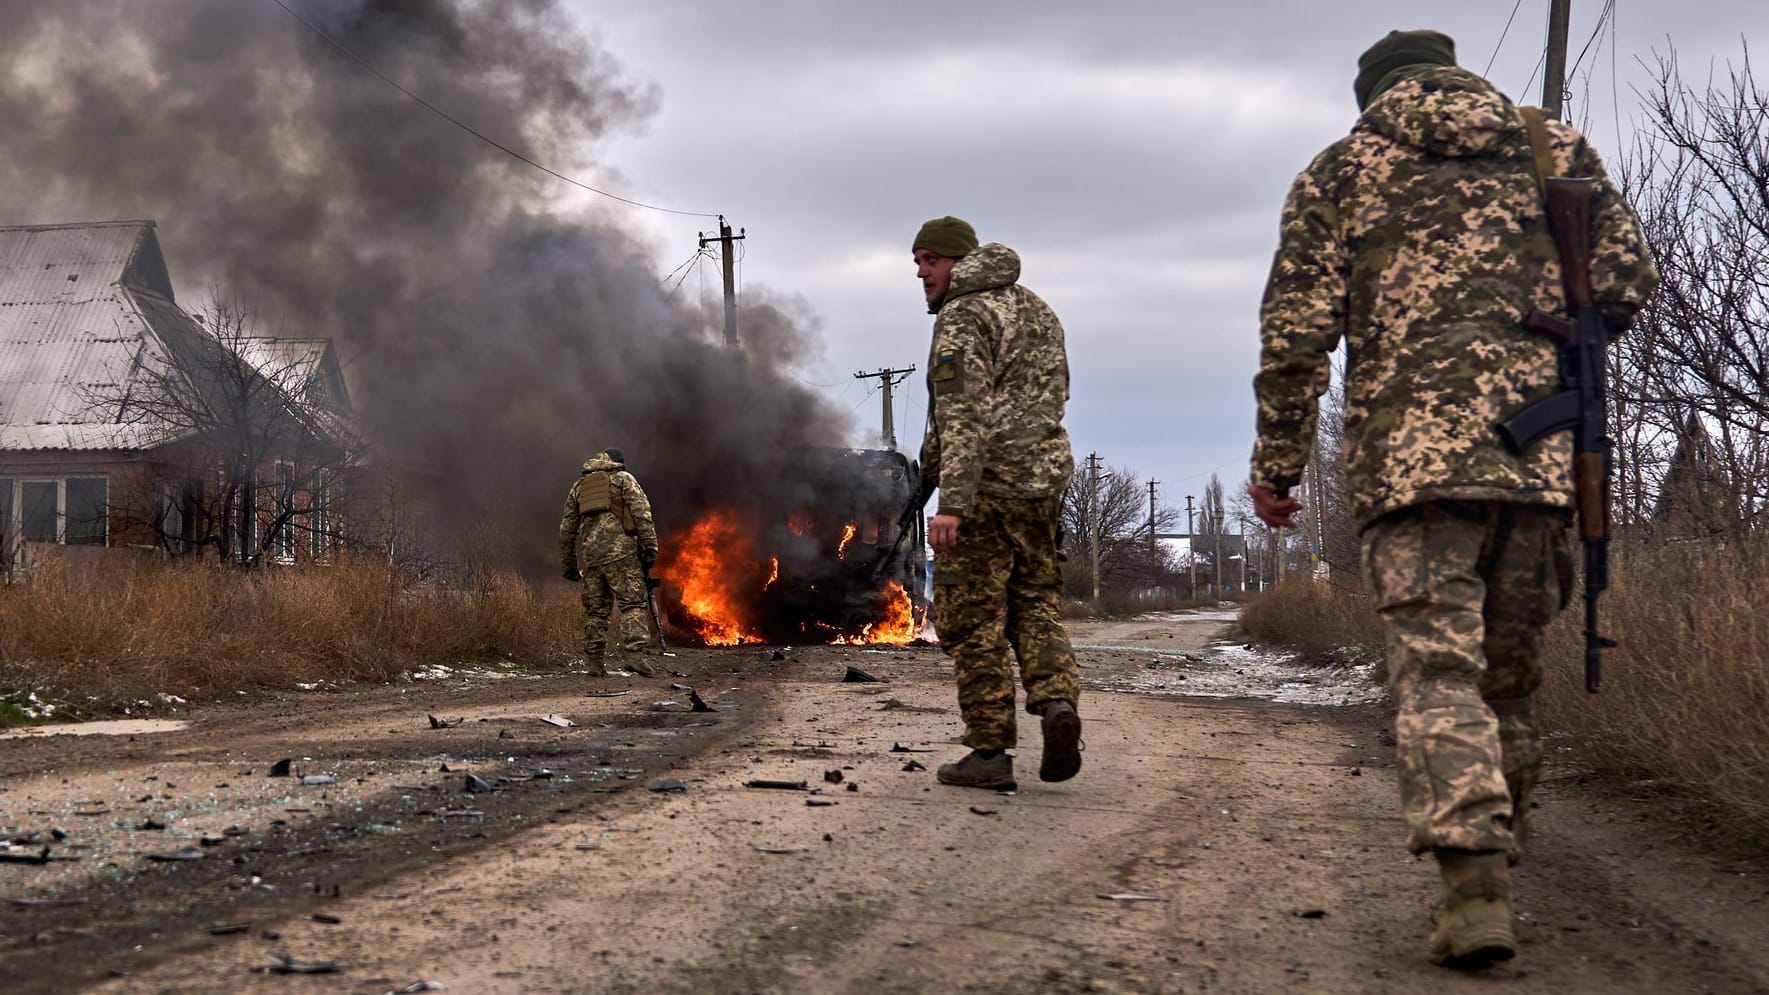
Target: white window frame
<point>15,527</point>
<point>282,541</point>
<point>320,520</point>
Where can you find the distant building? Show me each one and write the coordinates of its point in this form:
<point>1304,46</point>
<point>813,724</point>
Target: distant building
<point>126,421</point>
<point>1696,498</point>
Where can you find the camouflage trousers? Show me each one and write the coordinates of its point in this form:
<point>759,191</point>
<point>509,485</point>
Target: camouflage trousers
<point>608,586</point>
<point>1464,590</point>
<point>996,589</point>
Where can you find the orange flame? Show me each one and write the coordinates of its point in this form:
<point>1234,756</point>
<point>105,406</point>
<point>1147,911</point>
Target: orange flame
<point>898,625</point>
<point>848,532</point>
<point>712,593</point>
<point>773,572</point>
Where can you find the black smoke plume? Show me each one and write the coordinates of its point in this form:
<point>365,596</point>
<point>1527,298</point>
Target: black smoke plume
<point>496,332</point>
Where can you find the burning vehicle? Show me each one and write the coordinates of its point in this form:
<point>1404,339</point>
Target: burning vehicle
<point>828,564</point>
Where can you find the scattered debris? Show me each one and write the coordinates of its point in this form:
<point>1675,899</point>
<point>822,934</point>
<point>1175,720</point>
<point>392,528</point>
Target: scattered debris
<point>914,765</point>
<point>281,767</point>
<point>558,720</point>
<point>43,856</point>
<point>436,723</point>
<point>777,655</point>
<point>588,846</point>
<point>461,813</point>
<point>697,702</point>
<point>1132,896</point>
<point>475,784</point>
<point>857,676</point>
<point>281,963</point>
<point>418,986</point>
<point>228,928</point>
<point>607,694</point>
<point>327,918</point>
<point>776,785</point>
<point>853,786</point>
<point>149,824</point>
<point>820,802</point>
<point>665,785</point>
<point>211,839</point>
<point>1357,772</point>
<point>1310,913</point>
<point>900,748</point>
<point>976,810</point>
<point>681,687</point>
<point>181,854</point>
<point>235,831</point>
<point>46,903</point>
<point>757,847</point>
<point>663,706</point>
<point>506,734</point>
<point>833,776</point>
<point>905,943</point>
<point>319,780</point>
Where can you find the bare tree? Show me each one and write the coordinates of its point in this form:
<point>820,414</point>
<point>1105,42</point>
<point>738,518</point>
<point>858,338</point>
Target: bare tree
<point>1129,559</point>
<point>1698,176</point>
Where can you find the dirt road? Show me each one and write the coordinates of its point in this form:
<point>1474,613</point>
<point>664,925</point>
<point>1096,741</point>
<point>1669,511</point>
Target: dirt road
<point>1210,844</point>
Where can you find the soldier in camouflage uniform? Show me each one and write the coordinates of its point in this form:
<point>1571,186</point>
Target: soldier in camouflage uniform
<point>998,378</point>
<point>606,540</point>
<point>1420,242</point>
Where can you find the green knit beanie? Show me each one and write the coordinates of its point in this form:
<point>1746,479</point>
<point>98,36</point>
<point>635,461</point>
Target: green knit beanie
<point>951,237</point>
<point>1382,66</point>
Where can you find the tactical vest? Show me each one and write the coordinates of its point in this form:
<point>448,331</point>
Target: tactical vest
<point>595,495</point>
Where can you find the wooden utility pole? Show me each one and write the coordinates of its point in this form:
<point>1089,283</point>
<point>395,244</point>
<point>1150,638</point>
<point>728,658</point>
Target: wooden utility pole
<point>725,240</point>
<point>889,435</point>
<point>1554,75</point>
<point>1093,520</point>
<point>1191,551</point>
<point>1154,549</point>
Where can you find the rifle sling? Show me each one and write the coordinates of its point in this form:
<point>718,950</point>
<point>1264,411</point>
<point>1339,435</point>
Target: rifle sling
<point>1536,123</point>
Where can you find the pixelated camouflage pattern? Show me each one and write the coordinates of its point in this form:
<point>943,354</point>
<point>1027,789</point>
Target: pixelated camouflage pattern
<point>619,585</point>
<point>998,378</point>
<point>1465,590</point>
<point>998,590</point>
<point>592,539</point>
<point>1421,241</point>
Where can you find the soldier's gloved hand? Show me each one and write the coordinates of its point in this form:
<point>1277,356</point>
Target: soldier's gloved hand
<point>571,574</point>
<point>648,557</point>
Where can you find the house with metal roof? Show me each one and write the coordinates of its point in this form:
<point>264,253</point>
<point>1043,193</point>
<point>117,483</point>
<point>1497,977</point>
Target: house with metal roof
<point>127,421</point>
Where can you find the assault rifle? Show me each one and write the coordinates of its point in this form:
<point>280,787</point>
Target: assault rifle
<point>1582,403</point>
<point>924,489</point>
<point>651,586</point>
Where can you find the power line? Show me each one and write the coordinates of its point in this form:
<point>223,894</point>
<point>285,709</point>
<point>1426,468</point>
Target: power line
<point>1489,62</point>
<point>1603,17</point>
<point>457,122</point>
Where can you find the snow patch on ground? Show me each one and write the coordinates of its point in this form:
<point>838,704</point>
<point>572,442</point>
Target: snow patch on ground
<point>1241,670</point>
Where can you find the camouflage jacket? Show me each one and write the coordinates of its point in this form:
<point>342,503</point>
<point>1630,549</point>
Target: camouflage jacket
<point>1421,241</point>
<point>998,378</point>
<point>593,538</point>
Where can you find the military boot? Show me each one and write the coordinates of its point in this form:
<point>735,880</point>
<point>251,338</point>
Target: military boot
<point>978,771</point>
<point>1474,925</point>
<point>1062,742</point>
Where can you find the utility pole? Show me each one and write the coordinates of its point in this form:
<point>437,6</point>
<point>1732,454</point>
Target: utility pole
<point>725,238</point>
<point>1191,551</point>
<point>1216,527</point>
<point>1554,75</point>
<point>889,435</point>
<point>1154,548</point>
<point>1093,520</point>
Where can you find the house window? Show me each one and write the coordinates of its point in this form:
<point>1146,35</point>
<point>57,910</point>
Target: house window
<point>246,520</point>
<point>74,510</point>
<point>321,524</point>
<point>285,513</point>
<point>7,530</point>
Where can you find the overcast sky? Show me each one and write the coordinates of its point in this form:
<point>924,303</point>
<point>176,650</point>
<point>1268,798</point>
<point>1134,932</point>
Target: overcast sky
<point>1135,154</point>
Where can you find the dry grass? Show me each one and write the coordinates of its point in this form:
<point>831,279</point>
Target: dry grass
<point>1685,702</point>
<point>1121,604</point>
<point>100,635</point>
<point>1324,621</point>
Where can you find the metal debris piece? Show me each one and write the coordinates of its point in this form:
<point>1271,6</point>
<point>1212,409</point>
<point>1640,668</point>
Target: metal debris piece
<point>235,831</point>
<point>149,824</point>
<point>436,723</point>
<point>46,903</point>
<point>183,853</point>
<point>327,918</point>
<point>506,734</point>
<point>1131,896</point>
<point>900,748</point>
<point>461,813</point>
<point>11,856</point>
<point>820,802</point>
<point>697,703</point>
<point>857,676</point>
<point>914,765</point>
<point>757,847</point>
<point>853,786</point>
<point>211,839</point>
<point>681,687</point>
<point>59,834</point>
<point>664,785</point>
<point>833,776</point>
<point>607,694</point>
<point>1310,913</point>
<point>319,780</point>
<point>588,846</point>
<point>475,783</point>
<point>977,810</point>
<point>776,785</point>
<point>418,986</point>
<point>558,720</point>
<point>905,943</point>
<point>281,963</point>
<point>663,706</point>
<point>228,928</point>
<point>281,767</point>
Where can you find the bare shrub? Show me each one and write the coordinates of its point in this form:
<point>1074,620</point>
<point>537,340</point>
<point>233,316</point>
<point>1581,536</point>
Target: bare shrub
<point>109,633</point>
<point>1322,620</point>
